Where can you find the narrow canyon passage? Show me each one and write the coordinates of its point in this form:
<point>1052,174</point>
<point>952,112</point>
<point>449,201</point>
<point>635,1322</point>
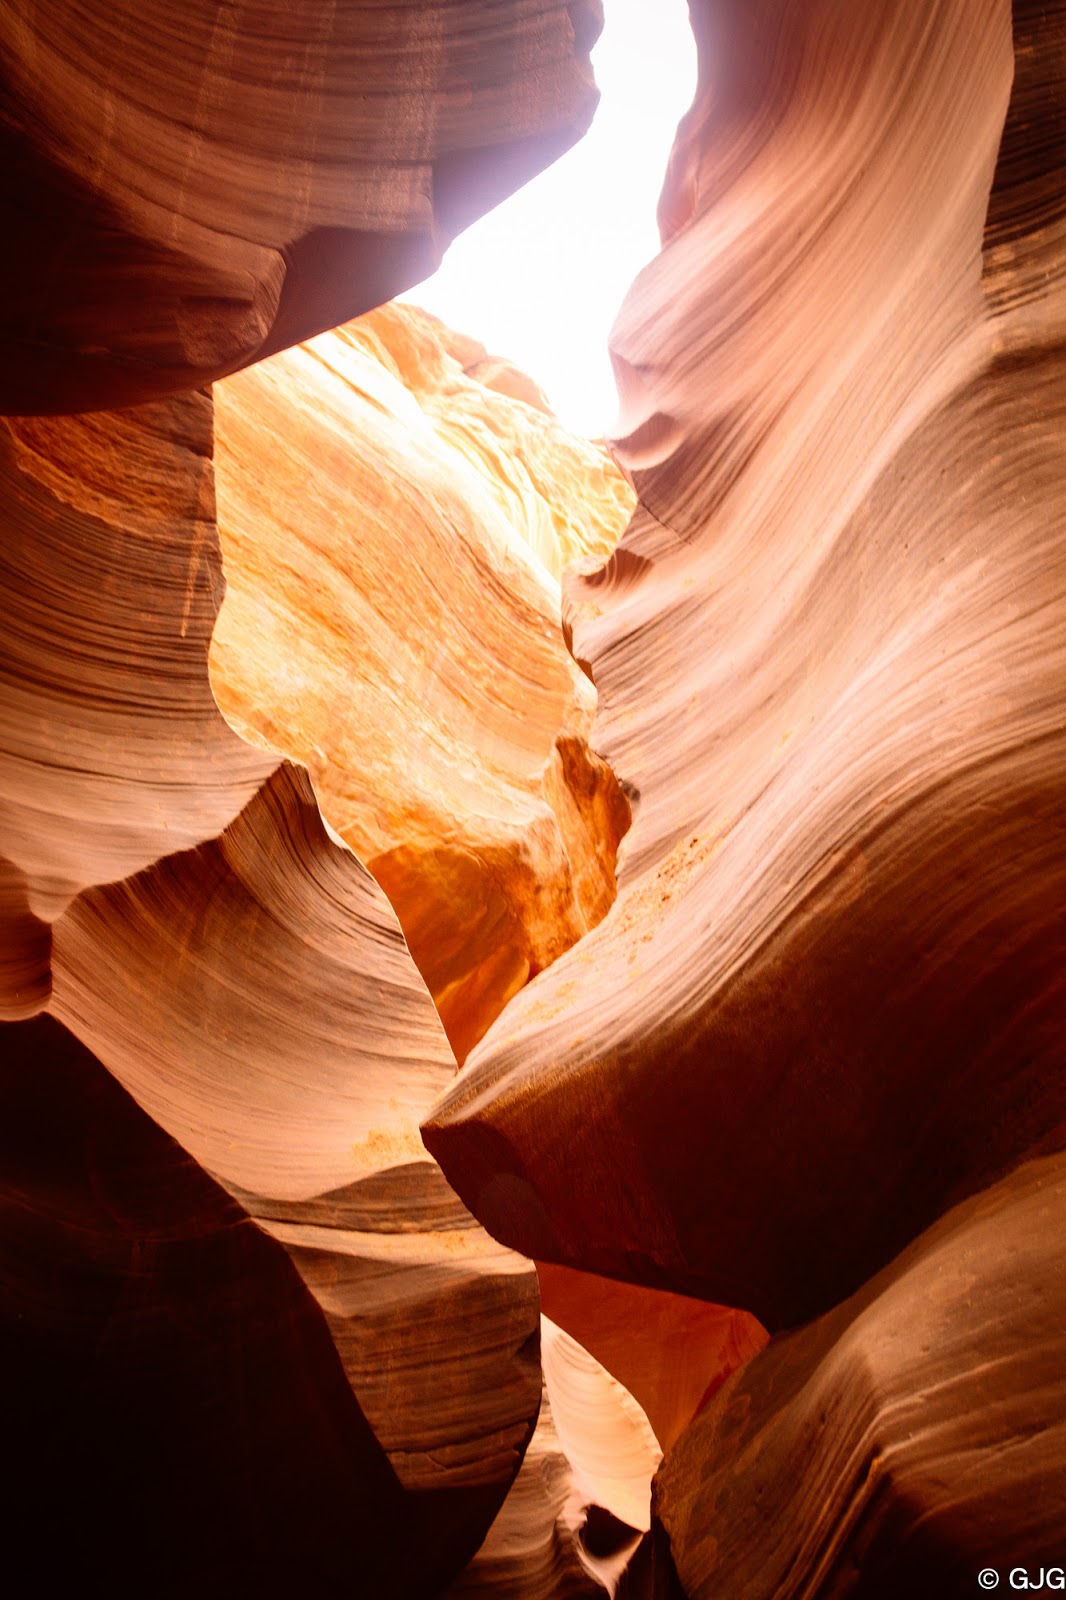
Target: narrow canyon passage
<point>532,1002</point>
<point>393,534</point>
<point>396,509</point>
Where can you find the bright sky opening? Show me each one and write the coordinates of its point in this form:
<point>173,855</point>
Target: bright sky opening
<point>540,279</point>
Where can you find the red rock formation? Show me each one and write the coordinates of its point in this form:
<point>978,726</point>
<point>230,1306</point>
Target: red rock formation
<point>250,991</point>
<point>259,1343</point>
<point>829,999</point>
<point>668,1351</point>
<point>180,905</point>
<point>909,1439</point>
<point>536,1549</point>
<point>177,1415</point>
<point>605,1434</point>
<point>158,885</point>
<point>190,192</point>
<point>114,751</point>
<point>393,535</point>
<point>194,186</point>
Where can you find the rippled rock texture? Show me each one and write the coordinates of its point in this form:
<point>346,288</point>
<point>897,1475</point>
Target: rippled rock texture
<point>807,1068</point>
<point>876,1451</point>
<point>393,533</point>
<point>177,1413</point>
<point>828,1002</point>
<point>830,655</point>
<point>175,899</point>
<point>195,185</point>
<point>251,992</point>
<point>260,1343</point>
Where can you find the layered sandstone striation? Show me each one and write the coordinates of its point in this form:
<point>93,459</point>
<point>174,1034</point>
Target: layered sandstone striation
<point>876,1441</point>
<point>830,658</point>
<point>807,1068</point>
<point>193,186</point>
<point>254,1328</point>
<point>573,1520</point>
<point>178,1390</point>
<point>162,875</point>
<point>114,753</point>
<point>538,1546</point>
<point>828,1002</point>
<point>164,879</point>
<point>394,533</point>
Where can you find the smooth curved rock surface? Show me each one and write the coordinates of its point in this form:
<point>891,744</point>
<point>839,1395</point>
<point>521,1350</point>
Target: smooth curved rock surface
<point>903,1442</point>
<point>305,1106</point>
<point>174,897</point>
<point>114,752</point>
<point>829,650</point>
<point>176,1416</point>
<point>184,981</point>
<point>231,1210</point>
<point>551,1541</point>
<point>258,1342</point>
<point>393,534</point>
<point>667,1350</point>
<point>195,185</point>
<point>605,1434</point>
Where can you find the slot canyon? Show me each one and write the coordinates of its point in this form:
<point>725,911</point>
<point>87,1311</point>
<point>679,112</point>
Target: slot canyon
<point>532,968</point>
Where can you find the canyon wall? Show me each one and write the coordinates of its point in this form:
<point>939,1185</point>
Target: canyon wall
<point>194,186</point>
<point>260,1342</point>
<point>783,1122</point>
<point>828,1003</point>
<point>393,533</point>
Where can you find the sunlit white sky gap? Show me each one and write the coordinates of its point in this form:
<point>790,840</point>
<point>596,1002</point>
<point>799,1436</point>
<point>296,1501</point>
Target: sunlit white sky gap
<point>541,278</point>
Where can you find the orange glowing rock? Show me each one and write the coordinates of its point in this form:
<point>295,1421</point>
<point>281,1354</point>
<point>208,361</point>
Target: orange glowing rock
<point>393,534</point>
<point>806,1066</point>
<point>831,656</point>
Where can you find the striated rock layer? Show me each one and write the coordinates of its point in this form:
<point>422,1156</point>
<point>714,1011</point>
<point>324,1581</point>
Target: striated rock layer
<point>880,1451</point>
<point>535,1549</point>
<point>572,1522</point>
<point>393,533</point>
<point>829,1001</point>
<point>195,185</point>
<point>831,657</point>
<point>173,897</point>
<point>257,1340</point>
<point>114,753</point>
<point>178,1413</point>
<point>240,1047</point>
